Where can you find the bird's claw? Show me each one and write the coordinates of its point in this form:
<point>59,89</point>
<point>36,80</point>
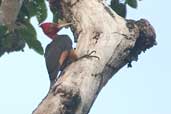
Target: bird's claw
<point>92,52</point>
<point>89,55</point>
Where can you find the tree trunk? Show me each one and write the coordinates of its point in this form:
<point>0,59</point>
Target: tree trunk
<point>98,29</point>
<point>116,42</point>
<point>9,10</point>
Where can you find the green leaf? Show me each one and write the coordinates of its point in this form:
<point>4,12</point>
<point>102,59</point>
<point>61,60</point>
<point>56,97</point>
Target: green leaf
<point>31,7</point>
<point>24,13</point>
<point>132,3</point>
<point>115,2</point>
<point>41,11</point>
<point>119,8</point>
<point>28,33</point>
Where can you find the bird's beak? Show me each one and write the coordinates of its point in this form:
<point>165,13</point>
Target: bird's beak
<point>64,25</point>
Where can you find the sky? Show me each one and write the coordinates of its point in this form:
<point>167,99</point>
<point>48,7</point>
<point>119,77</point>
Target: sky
<point>142,89</point>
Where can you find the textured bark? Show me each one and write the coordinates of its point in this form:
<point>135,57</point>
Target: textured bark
<point>116,41</point>
<point>9,10</point>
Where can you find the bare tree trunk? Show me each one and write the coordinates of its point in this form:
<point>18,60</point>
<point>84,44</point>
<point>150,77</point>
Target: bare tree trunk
<point>116,42</point>
<point>9,10</point>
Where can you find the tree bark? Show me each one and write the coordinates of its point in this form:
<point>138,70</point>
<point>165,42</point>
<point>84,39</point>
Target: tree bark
<point>9,10</point>
<point>116,42</point>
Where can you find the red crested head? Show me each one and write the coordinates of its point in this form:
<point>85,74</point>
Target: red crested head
<point>51,29</point>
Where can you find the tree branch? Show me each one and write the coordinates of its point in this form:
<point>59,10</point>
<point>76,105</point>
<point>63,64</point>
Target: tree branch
<point>116,41</point>
<point>9,10</point>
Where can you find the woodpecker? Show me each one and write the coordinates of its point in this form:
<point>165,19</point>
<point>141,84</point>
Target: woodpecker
<point>59,52</point>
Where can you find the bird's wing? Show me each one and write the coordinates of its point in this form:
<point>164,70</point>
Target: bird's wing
<point>52,56</point>
<point>56,54</point>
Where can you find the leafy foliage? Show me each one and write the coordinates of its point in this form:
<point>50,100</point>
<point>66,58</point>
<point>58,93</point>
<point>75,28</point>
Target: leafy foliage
<point>132,3</point>
<point>32,8</point>
<point>9,41</point>
<point>41,10</point>
<point>3,29</point>
<point>120,7</point>
<point>28,34</point>
<point>24,32</point>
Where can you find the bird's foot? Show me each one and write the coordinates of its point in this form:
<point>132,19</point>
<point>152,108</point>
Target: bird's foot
<point>89,56</point>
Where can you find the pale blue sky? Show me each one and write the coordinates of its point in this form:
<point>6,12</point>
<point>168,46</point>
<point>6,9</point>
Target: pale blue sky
<point>143,89</point>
